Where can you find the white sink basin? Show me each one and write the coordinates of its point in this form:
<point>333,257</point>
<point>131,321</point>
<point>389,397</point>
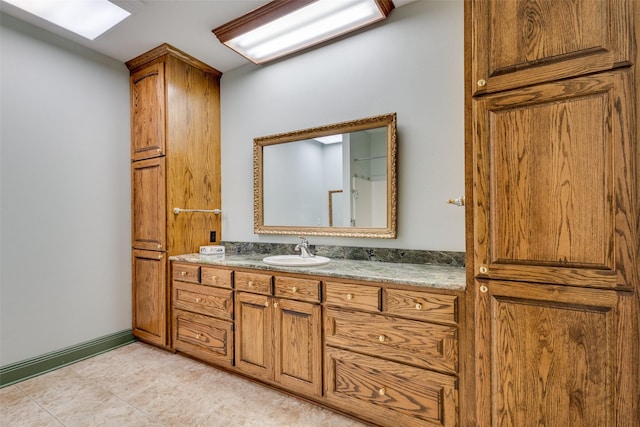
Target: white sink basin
<point>295,261</point>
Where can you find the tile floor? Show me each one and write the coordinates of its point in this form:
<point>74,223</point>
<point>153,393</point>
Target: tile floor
<point>140,385</point>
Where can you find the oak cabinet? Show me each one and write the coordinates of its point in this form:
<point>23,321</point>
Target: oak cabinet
<point>518,43</point>
<point>149,296</point>
<point>175,152</point>
<point>552,179</point>
<point>279,339</point>
<point>391,355</point>
<point>553,183</point>
<point>554,355</point>
<point>202,316</point>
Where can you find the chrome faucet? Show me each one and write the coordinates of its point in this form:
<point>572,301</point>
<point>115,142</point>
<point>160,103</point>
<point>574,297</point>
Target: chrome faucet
<point>303,248</point>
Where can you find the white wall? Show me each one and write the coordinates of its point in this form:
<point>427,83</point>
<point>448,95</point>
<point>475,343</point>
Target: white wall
<point>65,270</point>
<point>411,64</point>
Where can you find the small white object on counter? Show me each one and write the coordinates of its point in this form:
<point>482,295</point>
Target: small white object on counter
<point>212,250</point>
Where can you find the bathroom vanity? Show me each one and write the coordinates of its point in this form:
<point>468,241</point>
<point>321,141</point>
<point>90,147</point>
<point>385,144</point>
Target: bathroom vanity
<point>377,341</point>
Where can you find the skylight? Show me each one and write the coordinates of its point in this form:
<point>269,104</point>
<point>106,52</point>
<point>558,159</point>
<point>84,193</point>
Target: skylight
<point>88,18</point>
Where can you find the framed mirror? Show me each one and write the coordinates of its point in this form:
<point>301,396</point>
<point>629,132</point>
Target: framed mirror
<point>336,180</point>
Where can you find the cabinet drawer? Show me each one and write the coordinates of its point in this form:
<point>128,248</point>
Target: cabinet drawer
<point>299,289</point>
<point>422,305</point>
<point>409,341</point>
<point>203,299</point>
<point>253,282</point>
<point>216,277</point>
<point>353,296</point>
<point>389,393</point>
<point>186,272</point>
<point>203,337</point>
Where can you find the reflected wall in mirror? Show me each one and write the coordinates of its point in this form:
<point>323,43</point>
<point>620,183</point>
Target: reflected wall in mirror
<point>354,163</point>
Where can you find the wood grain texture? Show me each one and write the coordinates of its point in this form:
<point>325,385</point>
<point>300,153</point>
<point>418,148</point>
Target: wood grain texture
<point>193,156</point>
<point>149,296</point>
<point>216,277</point>
<point>352,295</point>
<point>259,283</point>
<point>298,346</point>
<point>553,190</point>
<point>523,42</point>
<point>205,300</point>
<point>148,112</point>
<point>549,355</point>
<point>254,335</point>
<point>297,288</point>
<point>388,393</point>
<point>413,342</point>
<point>428,306</point>
<point>148,220</point>
<point>203,337</point>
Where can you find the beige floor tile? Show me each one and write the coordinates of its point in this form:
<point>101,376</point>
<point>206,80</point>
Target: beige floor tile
<point>17,409</point>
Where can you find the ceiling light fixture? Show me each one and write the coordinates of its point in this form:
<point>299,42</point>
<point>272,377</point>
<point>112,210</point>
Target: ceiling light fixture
<point>283,27</point>
<point>88,18</point>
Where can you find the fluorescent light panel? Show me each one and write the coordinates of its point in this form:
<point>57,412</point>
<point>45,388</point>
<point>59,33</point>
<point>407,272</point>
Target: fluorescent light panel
<point>88,18</point>
<point>331,139</point>
<point>312,24</point>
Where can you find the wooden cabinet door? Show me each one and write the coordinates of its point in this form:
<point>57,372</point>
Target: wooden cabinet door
<point>520,42</point>
<point>254,335</point>
<point>148,204</point>
<point>148,112</point>
<point>298,346</point>
<point>553,183</point>
<point>149,296</point>
<point>554,356</point>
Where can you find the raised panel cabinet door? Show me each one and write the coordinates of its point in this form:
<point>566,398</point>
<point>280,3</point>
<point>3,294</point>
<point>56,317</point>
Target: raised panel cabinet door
<point>554,356</point>
<point>298,346</point>
<point>554,198</point>
<point>149,296</point>
<point>148,112</point>
<point>517,43</point>
<point>148,204</point>
<point>254,335</point>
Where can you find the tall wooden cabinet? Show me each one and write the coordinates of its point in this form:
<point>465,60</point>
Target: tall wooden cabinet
<point>175,153</point>
<point>552,158</point>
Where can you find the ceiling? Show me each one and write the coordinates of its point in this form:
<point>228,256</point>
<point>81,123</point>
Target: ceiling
<point>184,24</point>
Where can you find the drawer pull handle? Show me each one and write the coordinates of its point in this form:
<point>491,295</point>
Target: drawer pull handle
<point>183,273</point>
<point>214,278</point>
<point>275,305</point>
<point>382,391</point>
<point>249,283</point>
<point>197,336</point>
<point>266,303</point>
<point>381,338</point>
<point>349,296</point>
<point>159,246</point>
<point>198,299</point>
<point>418,306</point>
<point>294,289</point>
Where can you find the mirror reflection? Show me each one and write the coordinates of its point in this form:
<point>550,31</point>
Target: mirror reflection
<point>337,180</point>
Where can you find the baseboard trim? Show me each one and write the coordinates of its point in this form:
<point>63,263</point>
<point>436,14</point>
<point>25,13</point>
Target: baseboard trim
<point>20,371</point>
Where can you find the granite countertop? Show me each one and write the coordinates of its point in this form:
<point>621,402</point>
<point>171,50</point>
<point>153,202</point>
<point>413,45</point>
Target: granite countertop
<point>427,275</point>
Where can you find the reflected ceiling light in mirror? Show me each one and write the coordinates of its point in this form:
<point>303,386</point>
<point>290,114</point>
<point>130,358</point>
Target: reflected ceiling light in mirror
<point>283,27</point>
<point>88,18</point>
<point>331,139</point>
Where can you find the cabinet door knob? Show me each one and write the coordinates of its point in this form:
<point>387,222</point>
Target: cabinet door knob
<point>482,82</point>
<point>183,273</point>
<point>381,338</point>
<point>197,336</point>
<point>483,269</point>
<point>249,283</point>
<point>484,289</point>
<point>159,246</point>
<point>349,296</point>
<point>214,278</point>
<point>418,306</point>
<point>294,289</point>
<point>266,303</point>
<point>198,299</point>
<point>382,391</point>
<point>275,305</point>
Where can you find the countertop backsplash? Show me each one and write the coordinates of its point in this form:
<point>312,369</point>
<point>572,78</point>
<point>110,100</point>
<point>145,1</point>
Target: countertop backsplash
<point>407,256</point>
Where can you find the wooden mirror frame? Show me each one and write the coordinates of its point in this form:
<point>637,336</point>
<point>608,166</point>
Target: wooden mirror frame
<point>388,232</point>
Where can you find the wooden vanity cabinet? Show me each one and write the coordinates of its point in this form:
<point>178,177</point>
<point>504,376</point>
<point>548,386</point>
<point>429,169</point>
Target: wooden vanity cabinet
<point>391,355</point>
<point>202,319</point>
<point>279,339</point>
<point>175,153</point>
